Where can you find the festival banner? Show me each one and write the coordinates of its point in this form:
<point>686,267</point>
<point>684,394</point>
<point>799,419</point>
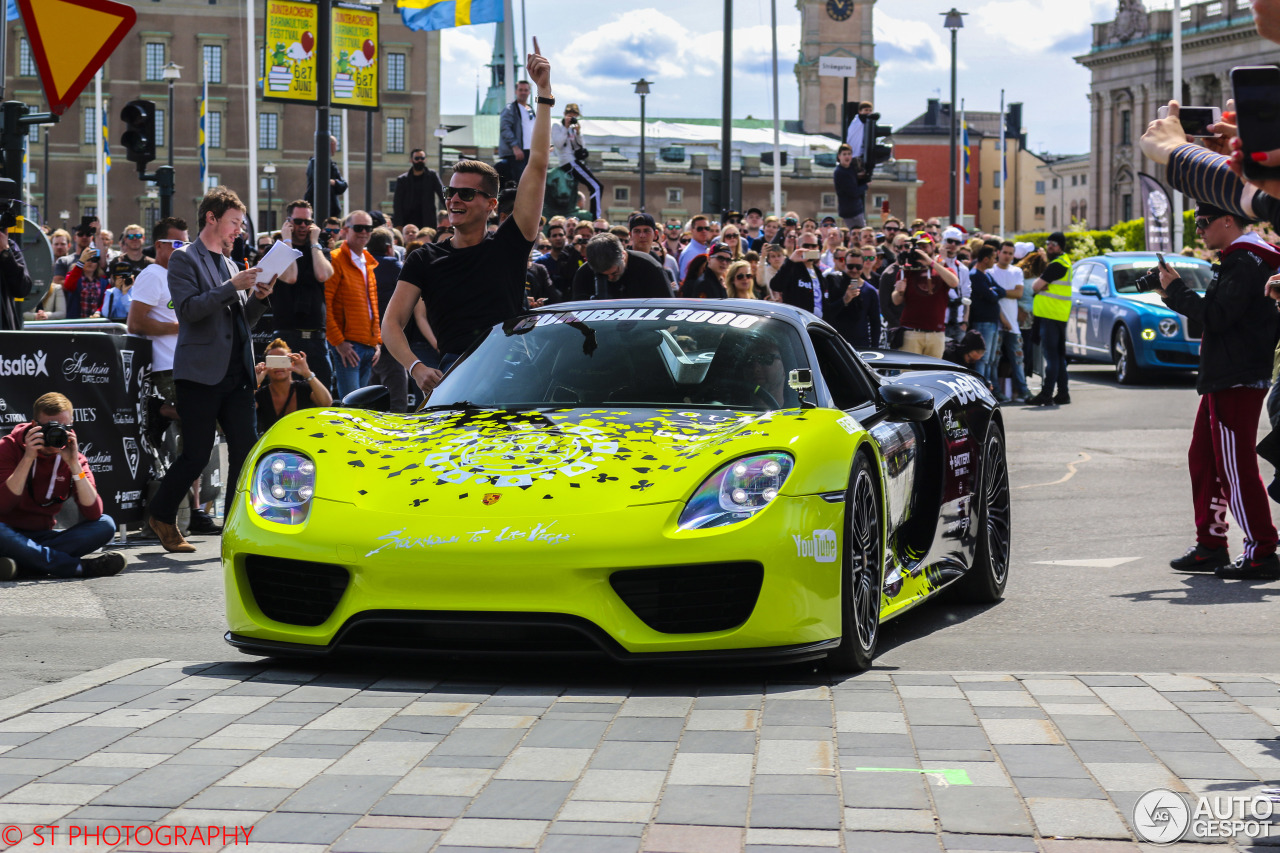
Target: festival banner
<point>354,57</point>
<point>289,37</point>
<point>1157,214</point>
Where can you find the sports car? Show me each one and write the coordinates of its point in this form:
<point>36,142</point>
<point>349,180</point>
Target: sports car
<point>655,480</point>
<point>1112,322</point>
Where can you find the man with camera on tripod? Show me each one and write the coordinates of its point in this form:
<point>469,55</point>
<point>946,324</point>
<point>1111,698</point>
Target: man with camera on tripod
<point>42,467</point>
<point>1241,327</point>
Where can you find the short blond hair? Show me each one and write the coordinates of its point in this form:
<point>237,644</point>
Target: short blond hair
<point>52,403</point>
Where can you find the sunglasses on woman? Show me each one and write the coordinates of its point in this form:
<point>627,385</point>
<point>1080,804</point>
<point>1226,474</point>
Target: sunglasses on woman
<point>464,193</point>
<point>742,275</point>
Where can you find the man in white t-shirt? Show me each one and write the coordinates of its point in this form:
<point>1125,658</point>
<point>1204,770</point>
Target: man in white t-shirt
<point>151,315</point>
<point>1009,340</point>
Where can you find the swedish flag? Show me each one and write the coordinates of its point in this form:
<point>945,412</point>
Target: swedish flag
<point>443,14</point>
<point>964,148</point>
<point>203,154</point>
<point>106,144</point>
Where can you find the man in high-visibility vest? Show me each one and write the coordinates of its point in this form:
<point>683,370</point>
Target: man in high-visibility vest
<point>1053,306</point>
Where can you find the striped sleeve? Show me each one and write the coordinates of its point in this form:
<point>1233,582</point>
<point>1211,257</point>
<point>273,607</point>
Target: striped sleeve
<point>1204,175</point>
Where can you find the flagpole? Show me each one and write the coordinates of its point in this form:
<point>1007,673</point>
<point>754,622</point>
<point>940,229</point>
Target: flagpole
<point>777,148</point>
<point>964,170</point>
<point>99,161</point>
<point>251,105</point>
<point>508,51</point>
<point>346,157</point>
<point>1004,171</point>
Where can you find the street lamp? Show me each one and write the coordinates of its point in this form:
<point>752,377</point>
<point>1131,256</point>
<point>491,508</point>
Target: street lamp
<point>642,89</point>
<point>170,74</point>
<point>954,21</point>
<point>64,215</point>
<point>270,171</point>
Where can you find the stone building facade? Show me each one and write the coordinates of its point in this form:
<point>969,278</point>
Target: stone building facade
<point>1131,78</point>
<point>833,28</point>
<point>194,33</point>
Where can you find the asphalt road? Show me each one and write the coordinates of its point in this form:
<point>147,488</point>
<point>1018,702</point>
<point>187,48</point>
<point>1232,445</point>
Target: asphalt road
<point>1103,480</point>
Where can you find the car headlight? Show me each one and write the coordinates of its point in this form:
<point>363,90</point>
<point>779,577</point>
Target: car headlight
<point>1168,327</point>
<point>737,491</point>
<point>283,485</point>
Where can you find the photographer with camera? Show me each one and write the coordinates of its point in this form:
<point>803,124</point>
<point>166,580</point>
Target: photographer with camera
<point>42,467</point>
<point>1241,327</point>
<point>922,285</point>
<point>115,302</point>
<point>15,282</point>
<point>566,139</point>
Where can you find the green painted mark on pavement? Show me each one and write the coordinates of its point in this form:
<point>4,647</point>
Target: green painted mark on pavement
<point>953,776</point>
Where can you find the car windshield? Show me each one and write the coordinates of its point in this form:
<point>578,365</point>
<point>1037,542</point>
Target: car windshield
<point>1126,276</point>
<point>629,357</point>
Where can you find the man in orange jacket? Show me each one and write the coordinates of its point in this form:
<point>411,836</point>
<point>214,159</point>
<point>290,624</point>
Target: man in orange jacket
<point>351,307</point>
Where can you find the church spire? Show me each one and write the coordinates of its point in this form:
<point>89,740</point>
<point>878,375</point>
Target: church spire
<point>496,98</point>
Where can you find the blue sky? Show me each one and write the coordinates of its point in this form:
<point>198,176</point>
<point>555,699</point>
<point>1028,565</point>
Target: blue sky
<point>597,49</point>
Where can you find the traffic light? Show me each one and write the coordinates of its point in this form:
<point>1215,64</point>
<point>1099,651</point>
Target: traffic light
<point>879,144</point>
<point>13,139</point>
<point>140,139</point>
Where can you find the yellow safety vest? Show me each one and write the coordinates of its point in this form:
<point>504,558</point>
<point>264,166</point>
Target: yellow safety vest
<point>1054,302</point>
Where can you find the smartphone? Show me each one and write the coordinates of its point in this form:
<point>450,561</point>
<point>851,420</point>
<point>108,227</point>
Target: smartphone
<point>1195,120</point>
<point>1160,259</point>
<point>1257,91</point>
<point>277,361</point>
<point>812,254</point>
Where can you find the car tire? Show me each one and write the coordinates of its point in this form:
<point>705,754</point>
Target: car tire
<point>862,570</point>
<point>1124,358</point>
<point>986,579</point>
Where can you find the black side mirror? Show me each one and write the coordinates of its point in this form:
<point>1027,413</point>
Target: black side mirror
<point>906,402</point>
<point>374,397</point>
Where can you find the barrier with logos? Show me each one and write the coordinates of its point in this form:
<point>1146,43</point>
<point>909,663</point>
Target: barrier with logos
<point>104,376</point>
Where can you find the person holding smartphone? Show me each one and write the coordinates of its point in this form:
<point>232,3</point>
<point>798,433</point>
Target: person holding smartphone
<point>283,392</point>
<point>799,281</point>
<point>1241,327</point>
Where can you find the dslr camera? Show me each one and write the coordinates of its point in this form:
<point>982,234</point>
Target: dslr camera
<point>1150,280</point>
<point>55,435</point>
<point>908,257</point>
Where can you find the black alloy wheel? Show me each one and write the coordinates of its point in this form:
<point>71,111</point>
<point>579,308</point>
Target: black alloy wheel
<point>862,576</point>
<point>985,581</point>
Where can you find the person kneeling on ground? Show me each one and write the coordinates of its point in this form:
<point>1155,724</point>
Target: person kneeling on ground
<point>41,466</point>
<point>968,351</point>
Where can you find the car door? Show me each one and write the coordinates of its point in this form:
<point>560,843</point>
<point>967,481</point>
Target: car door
<point>1078,321</point>
<point>1097,331</point>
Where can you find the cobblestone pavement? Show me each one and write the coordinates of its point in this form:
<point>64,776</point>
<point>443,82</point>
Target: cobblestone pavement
<point>887,761</point>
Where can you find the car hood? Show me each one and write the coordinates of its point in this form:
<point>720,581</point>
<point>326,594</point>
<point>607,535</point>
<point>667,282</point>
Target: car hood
<point>1148,302</point>
<point>547,462</point>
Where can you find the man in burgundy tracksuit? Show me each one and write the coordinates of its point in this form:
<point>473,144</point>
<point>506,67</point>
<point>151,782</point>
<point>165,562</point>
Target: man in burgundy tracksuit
<point>41,467</point>
<point>1241,327</point>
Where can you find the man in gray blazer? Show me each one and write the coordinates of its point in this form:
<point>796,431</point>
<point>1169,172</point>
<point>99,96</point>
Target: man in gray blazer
<point>515,131</point>
<point>217,305</point>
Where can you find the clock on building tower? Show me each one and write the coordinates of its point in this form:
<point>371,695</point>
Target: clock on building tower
<point>833,28</point>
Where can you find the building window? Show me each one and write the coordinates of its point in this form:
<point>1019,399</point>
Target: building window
<point>26,62</point>
<point>214,180</point>
<point>151,215</point>
<point>1084,179</point>
<point>995,179</point>
<point>213,129</point>
<point>1126,127</point>
<point>395,135</point>
<point>877,201</point>
<point>828,201</point>
<point>622,194</point>
<point>90,179</point>
<point>92,129</point>
<point>831,113</point>
<point>1055,183</point>
<point>391,186</point>
<point>1186,14</point>
<point>335,128</point>
<point>395,72</point>
<point>161,127</point>
<point>1039,187</point>
<point>1126,207</point>
<point>1040,211</point>
<point>1054,223</point>
<point>1084,211</point>
<point>213,63</point>
<point>675,195</point>
<point>1075,210</point>
<point>154,61</point>
<point>1075,179</point>
<point>268,127</point>
<point>1212,10</point>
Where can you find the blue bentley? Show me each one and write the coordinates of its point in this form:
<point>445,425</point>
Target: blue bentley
<point>1112,322</point>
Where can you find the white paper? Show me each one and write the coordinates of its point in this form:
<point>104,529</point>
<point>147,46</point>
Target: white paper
<point>276,260</point>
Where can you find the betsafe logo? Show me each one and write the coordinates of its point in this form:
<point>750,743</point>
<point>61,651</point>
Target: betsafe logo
<point>25,365</point>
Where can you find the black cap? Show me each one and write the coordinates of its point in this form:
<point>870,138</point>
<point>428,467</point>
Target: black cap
<point>757,211</point>
<point>378,218</point>
<point>1203,209</point>
<point>719,248</point>
<point>639,219</point>
<point>827,219</point>
<point>1059,238</point>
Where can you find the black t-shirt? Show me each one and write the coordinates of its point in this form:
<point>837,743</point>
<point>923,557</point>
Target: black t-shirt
<point>642,279</point>
<point>705,286</point>
<point>300,305</point>
<point>300,389</point>
<point>468,291</point>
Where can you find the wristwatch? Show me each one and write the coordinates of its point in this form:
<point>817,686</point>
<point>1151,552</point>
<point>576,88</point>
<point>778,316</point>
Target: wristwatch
<point>317,246</point>
<point>551,102</point>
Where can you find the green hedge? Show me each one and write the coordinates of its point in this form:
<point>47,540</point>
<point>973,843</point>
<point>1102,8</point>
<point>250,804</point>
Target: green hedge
<point>1123,237</point>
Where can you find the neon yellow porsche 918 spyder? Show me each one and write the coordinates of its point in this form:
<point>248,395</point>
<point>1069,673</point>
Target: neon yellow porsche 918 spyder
<point>652,480</point>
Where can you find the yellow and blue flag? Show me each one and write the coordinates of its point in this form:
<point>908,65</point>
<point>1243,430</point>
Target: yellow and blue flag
<point>204,162</point>
<point>964,148</point>
<point>443,14</point>
<point>106,145</point>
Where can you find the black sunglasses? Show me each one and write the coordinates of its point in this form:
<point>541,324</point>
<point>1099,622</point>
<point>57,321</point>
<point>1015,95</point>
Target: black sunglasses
<point>362,229</point>
<point>765,358</point>
<point>419,159</point>
<point>465,193</point>
<point>296,221</point>
<point>740,275</point>
<point>702,228</point>
<point>1203,222</point>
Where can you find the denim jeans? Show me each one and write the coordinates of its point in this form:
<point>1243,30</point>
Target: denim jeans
<point>1053,340</point>
<point>1010,347</point>
<point>347,378</point>
<point>55,552</point>
<point>986,366</point>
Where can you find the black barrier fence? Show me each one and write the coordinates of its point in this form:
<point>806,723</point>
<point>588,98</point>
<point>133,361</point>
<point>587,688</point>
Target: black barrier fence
<point>107,378</point>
